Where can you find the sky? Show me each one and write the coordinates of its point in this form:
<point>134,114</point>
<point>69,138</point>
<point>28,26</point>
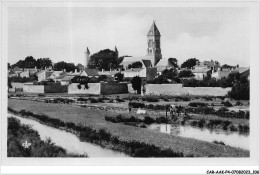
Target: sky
<point>64,33</point>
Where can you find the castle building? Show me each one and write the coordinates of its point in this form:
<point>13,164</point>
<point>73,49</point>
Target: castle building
<point>87,59</point>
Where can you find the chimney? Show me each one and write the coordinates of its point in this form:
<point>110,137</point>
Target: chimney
<point>45,68</point>
<point>35,67</point>
<point>64,70</point>
<point>76,71</point>
<point>237,66</point>
<point>102,70</point>
<point>110,70</point>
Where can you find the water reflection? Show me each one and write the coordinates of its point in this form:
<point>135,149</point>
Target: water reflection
<point>234,139</point>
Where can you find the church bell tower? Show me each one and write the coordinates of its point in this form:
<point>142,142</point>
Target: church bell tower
<point>154,45</point>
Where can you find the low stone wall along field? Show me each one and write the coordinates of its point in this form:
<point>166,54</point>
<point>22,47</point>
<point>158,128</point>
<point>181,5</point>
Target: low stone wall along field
<point>178,90</point>
<point>93,88</point>
<point>29,88</point>
<point>107,88</point>
<point>98,88</point>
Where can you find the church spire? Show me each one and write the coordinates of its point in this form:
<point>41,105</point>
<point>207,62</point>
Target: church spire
<point>153,30</point>
<point>154,45</point>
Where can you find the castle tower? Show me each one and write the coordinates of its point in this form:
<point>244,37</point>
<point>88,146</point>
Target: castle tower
<point>116,52</point>
<point>87,57</point>
<point>153,41</point>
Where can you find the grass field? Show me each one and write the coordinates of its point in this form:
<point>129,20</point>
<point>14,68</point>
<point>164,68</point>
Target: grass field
<point>95,119</point>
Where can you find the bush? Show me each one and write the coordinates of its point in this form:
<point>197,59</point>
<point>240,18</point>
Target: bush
<point>93,100</point>
<point>102,78</point>
<point>238,103</point>
<point>148,120</point>
<point>150,99</point>
<point>161,120</point>
<point>197,104</point>
<point>82,99</point>
<point>219,142</point>
<point>226,103</point>
<point>136,104</point>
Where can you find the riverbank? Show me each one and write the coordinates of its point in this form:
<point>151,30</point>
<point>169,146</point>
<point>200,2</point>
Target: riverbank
<point>23,141</point>
<point>95,120</point>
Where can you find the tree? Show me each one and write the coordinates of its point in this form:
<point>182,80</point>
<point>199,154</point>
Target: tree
<point>185,73</point>
<point>80,79</point>
<point>104,59</point>
<point>240,91</point>
<point>60,66</point>
<point>136,64</point>
<point>80,67</point>
<point>43,62</point>
<point>136,83</point>
<point>28,62</point>
<point>189,63</point>
<point>102,78</point>
<point>8,65</point>
<point>226,66</point>
<point>119,76</point>
<point>63,65</point>
<point>169,73</point>
<point>70,67</point>
<point>173,61</point>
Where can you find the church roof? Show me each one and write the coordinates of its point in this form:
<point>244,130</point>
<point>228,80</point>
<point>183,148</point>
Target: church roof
<point>147,63</point>
<point>90,72</point>
<point>154,30</point>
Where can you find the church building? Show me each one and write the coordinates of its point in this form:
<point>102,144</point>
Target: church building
<point>153,56</point>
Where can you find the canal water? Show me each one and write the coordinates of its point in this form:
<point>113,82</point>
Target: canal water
<point>234,139</point>
<point>69,141</point>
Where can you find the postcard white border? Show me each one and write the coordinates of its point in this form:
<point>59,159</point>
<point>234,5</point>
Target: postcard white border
<point>254,89</point>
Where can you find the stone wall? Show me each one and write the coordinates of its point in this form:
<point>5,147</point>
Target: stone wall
<point>55,88</point>
<point>17,85</point>
<point>29,88</point>
<point>178,90</point>
<point>207,91</point>
<point>93,88</point>
<point>118,88</point>
<point>98,88</point>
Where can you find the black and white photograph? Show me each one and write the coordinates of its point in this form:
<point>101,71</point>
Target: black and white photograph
<point>119,81</point>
